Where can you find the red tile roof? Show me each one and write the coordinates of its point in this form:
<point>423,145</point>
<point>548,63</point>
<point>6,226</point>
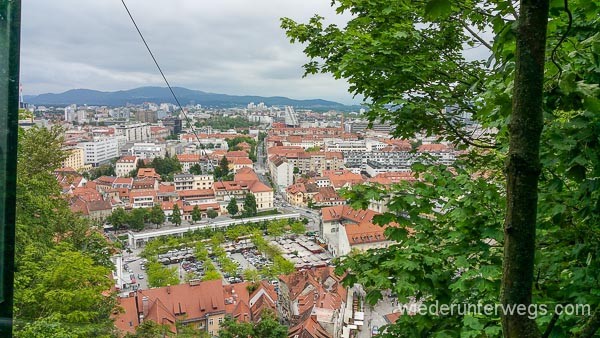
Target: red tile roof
<point>236,153</point>
<point>188,158</point>
<point>127,320</point>
<point>204,193</point>
<point>345,212</point>
<point>127,159</point>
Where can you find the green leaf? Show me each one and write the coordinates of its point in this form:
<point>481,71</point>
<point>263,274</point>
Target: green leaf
<point>438,9</point>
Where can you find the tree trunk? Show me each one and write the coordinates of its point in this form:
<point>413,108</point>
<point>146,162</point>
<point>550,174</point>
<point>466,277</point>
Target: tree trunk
<point>523,167</point>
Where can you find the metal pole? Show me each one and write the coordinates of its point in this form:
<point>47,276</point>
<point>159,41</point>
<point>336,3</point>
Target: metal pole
<point>10,26</point>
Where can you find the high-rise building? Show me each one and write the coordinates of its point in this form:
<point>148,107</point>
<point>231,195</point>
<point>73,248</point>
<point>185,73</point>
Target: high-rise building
<point>146,116</point>
<point>134,132</point>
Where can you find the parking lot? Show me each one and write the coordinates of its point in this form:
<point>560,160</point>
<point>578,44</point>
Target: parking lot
<point>242,261</point>
<point>134,266</point>
<point>252,258</point>
<point>303,251</point>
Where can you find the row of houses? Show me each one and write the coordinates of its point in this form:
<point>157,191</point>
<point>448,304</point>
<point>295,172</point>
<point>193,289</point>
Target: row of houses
<point>311,302</point>
<point>98,198</point>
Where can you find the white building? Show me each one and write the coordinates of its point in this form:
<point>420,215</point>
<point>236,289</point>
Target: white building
<point>282,172</point>
<point>134,132</point>
<point>345,229</point>
<point>125,165</point>
<point>100,150</point>
<point>193,182</point>
<point>147,150</point>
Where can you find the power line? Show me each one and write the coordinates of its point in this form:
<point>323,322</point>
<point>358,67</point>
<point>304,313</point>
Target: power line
<point>172,92</point>
<point>154,58</point>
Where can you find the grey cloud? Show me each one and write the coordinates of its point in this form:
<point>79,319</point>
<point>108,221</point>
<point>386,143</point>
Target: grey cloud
<point>230,46</point>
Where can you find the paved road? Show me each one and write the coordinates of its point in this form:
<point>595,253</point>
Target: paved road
<point>134,265</point>
<point>244,264</point>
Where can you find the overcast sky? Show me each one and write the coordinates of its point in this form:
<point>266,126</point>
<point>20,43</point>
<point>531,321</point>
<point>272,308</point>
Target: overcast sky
<point>223,46</point>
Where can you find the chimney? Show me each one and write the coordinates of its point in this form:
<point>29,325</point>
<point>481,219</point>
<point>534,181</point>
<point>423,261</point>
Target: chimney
<point>168,289</point>
<point>145,305</point>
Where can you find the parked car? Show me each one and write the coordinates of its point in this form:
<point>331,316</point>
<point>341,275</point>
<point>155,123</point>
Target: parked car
<point>375,330</point>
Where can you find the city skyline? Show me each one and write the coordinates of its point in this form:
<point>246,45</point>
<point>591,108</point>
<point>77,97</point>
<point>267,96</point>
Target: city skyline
<point>227,47</point>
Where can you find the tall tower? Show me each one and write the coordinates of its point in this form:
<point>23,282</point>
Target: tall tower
<point>291,119</point>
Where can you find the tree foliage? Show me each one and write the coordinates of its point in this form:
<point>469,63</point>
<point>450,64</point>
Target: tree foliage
<point>137,219</point>
<point>196,214</point>
<point>176,216</point>
<point>267,327</point>
<point>166,167</point>
<point>298,228</point>
<point>232,207</point>
<point>276,228</point>
<point>156,215</point>
<point>211,213</point>
<point>102,170</point>
<point>222,171</point>
<point>225,123</point>
<point>151,329</point>
<point>196,169</point>
<point>407,59</point>
<point>250,208</point>
<point>62,264</point>
<point>159,275</point>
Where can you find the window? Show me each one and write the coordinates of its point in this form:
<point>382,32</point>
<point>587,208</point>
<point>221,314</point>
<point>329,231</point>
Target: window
<point>220,320</point>
<point>210,322</point>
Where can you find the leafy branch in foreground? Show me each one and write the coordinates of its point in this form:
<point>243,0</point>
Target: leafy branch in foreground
<point>407,60</point>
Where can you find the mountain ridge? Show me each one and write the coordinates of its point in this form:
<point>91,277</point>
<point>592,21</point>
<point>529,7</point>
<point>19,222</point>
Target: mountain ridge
<point>163,95</point>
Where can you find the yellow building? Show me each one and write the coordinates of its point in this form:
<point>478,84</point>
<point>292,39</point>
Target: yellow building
<point>75,159</point>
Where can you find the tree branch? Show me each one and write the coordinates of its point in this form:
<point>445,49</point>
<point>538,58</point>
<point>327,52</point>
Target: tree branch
<point>562,38</point>
<point>462,137</point>
<point>550,325</point>
<point>591,327</point>
<point>475,35</point>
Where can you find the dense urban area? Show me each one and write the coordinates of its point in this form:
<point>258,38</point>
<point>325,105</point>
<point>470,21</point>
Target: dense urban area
<point>461,199</point>
<point>238,210</point>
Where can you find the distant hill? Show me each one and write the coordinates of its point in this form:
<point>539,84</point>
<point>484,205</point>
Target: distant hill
<point>185,96</point>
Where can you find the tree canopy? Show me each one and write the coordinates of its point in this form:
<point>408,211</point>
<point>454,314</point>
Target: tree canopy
<point>159,275</point>
<point>196,214</point>
<point>232,207</point>
<point>408,60</point>
<point>176,216</point>
<point>62,264</point>
<point>166,167</point>
<point>250,208</point>
<point>157,215</point>
<point>267,327</point>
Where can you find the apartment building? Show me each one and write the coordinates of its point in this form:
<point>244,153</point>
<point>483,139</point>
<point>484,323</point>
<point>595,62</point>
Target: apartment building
<point>99,151</point>
<point>201,305</point>
<point>245,181</point>
<point>309,162</point>
<point>188,160</point>
<point>313,302</point>
<point>134,132</point>
<point>282,172</point>
<point>75,158</point>
<point>144,151</point>
<point>125,165</point>
<point>192,182</point>
<point>142,198</point>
